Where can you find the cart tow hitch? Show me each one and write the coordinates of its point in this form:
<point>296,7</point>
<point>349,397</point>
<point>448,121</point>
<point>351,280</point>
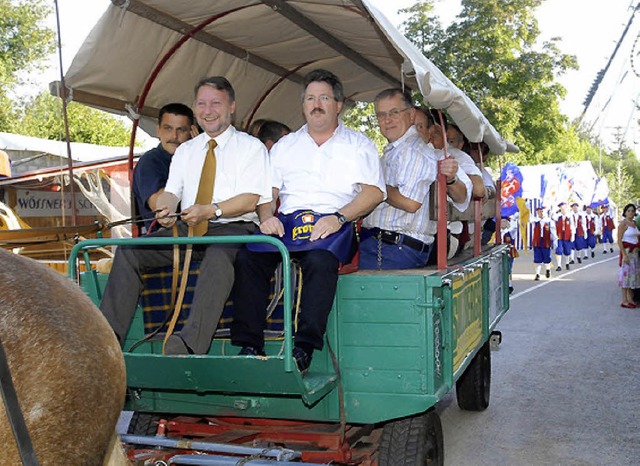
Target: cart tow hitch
<point>201,460</point>
<point>213,452</point>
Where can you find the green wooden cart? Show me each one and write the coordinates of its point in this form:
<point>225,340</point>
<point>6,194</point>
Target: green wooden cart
<point>397,342</point>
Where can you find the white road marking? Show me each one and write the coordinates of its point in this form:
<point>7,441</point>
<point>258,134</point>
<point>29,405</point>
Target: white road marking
<point>557,277</point>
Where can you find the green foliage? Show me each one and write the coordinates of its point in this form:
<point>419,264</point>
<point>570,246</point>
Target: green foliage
<point>490,52</point>
<point>362,118</point>
<point>621,185</point>
<point>24,40</point>
<point>42,117</point>
<point>621,168</point>
<point>24,44</point>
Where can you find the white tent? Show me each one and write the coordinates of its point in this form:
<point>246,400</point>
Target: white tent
<point>264,48</point>
<point>80,151</point>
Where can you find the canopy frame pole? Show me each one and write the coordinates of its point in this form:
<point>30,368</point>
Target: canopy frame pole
<point>74,217</point>
<point>442,203</point>
<point>270,90</point>
<point>328,39</point>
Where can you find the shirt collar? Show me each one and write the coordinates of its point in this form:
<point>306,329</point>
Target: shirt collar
<point>410,133</point>
<point>337,133</point>
<point>162,150</point>
<point>221,139</point>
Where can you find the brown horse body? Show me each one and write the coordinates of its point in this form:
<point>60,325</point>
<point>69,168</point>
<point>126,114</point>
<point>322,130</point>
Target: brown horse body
<point>66,365</point>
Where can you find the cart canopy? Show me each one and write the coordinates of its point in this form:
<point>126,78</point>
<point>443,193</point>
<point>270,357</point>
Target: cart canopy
<point>264,48</point>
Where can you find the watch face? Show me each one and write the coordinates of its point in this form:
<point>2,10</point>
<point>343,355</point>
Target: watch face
<point>219,213</point>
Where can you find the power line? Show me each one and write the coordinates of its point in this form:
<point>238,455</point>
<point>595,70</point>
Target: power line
<point>600,76</point>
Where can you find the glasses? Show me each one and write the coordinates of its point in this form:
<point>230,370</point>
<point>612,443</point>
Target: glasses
<point>322,98</point>
<point>394,114</point>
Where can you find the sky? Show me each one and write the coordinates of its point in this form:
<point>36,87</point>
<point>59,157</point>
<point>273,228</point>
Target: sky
<point>589,29</point>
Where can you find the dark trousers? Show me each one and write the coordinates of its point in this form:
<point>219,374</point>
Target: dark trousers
<point>212,290</point>
<point>253,274</point>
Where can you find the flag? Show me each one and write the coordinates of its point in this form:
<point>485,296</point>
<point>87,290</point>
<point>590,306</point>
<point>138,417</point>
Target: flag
<point>600,193</point>
<point>511,180</point>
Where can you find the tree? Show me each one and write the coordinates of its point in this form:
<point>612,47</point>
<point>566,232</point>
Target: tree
<point>24,44</point>
<point>42,118</point>
<point>622,171</point>
<point>489,52</point>
<point>362,118</point>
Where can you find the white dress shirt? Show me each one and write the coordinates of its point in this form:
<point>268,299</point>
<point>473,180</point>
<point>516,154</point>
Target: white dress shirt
<point>323,178</point>
<point>242,167</point>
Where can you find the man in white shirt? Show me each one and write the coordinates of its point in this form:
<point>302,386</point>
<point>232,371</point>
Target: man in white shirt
<point>396,234</point>
<point>241,179</point>
<point>326,176</point>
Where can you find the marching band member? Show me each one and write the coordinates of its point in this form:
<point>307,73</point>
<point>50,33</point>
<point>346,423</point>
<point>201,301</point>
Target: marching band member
<point>543,238</point>
<point>591,221</point>
<point>566,230</point>
<point>508,232</point>
<point>580,241</point>
<point>606,221</point>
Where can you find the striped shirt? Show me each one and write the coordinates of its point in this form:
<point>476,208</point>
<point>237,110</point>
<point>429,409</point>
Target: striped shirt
<point>410,165</point>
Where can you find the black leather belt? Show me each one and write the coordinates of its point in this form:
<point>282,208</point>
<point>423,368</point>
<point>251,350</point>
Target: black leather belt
<point>392,237</point>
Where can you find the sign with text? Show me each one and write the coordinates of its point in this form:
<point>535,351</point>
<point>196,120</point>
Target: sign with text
<point>33,203</point>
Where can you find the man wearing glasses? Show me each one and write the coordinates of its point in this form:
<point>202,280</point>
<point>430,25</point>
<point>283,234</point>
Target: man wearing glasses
<point>326,176</point>
<point>396,235</point>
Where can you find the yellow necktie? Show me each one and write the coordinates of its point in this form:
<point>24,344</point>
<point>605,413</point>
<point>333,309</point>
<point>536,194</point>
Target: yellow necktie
<point>205,188</point>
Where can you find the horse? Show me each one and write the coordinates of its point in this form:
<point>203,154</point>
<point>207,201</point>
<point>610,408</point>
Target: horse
<point>66,364</point>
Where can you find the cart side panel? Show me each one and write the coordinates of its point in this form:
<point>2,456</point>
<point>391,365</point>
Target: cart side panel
<point>385,345</point>
<point>467,314</point>
<point>498,292</point>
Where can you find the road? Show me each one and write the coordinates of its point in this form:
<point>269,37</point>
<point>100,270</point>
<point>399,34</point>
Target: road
<point>566,380</point>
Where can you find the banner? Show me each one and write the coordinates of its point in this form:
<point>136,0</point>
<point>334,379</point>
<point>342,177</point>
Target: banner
<point>33,203</point>
<point>511,178</point>
<point>600,193</point>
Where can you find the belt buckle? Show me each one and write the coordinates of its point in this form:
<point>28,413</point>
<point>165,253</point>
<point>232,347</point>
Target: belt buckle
<point>389,237</point>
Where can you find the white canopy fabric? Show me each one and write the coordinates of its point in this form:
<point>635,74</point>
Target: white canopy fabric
<point>264,48</point>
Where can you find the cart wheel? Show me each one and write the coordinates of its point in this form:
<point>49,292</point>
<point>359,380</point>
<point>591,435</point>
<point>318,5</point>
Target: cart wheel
<point>413,441</point>
<point>144,423</point>
<point>473,388</point>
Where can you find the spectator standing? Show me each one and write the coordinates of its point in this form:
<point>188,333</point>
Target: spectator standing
<point>628,243</point>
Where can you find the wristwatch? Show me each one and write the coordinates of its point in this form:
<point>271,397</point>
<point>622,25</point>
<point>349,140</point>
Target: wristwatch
<point>218,212</point>
<point>341,218</point>
<point>453,181</point>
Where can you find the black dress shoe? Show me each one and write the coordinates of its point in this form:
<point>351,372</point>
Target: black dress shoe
<point>548,273</point>
<point>604,252</point>
<point>559,269</point>
<point>302,358</point>
<point>567,266</point>
<point>251,351</point>
<point>535,279</point>
<point>510,289</point>
<point>611,249</point>
<point>593,254</point>
<point>579,261</point>
<point>571,262</point>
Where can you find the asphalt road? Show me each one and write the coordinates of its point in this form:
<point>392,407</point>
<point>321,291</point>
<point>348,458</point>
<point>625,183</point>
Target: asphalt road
<point>566,381</point>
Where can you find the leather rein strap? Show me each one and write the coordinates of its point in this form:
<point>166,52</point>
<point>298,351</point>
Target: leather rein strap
<point>14,414</point>
<point>174,283</point>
